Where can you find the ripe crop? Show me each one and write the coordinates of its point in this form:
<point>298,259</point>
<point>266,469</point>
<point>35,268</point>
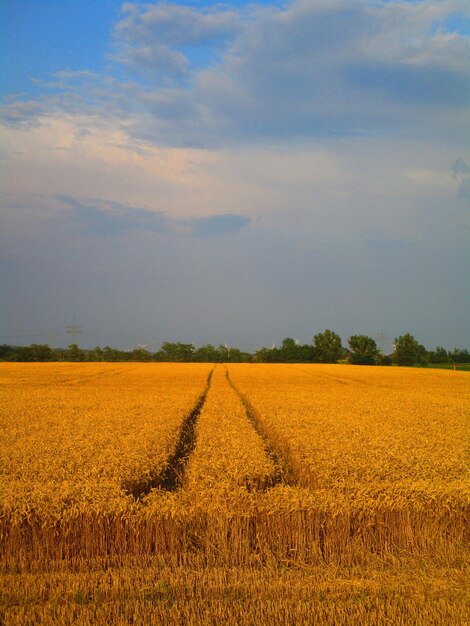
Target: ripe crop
<point>80,438</point>
<point>346,475</point>
<point>229,453</point>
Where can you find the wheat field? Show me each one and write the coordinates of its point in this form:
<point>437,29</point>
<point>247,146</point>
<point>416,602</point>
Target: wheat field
<point>234,494</point>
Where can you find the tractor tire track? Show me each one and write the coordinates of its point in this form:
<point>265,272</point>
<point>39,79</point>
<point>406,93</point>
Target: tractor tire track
<point>283,472</point>
<point>172,477</point>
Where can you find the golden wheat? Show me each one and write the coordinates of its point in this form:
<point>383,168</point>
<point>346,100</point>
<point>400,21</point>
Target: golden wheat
<point>78,438</point>
<point>357,476</point>
<point>229,453</point>
<point>348,429</point>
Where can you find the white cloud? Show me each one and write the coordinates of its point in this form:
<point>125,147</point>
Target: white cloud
<point>153,39</point>
<point>95,157</point>
<point>223,77</point>
<point>316,69</point>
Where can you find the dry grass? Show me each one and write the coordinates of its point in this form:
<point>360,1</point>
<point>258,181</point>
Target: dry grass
<point>143,592</point>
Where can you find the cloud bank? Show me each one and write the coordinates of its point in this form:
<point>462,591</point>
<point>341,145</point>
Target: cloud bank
<point>214,76</point>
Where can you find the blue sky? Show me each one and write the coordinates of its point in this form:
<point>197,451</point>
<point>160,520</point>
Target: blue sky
<point>40,38</point>
<point>235,171</point>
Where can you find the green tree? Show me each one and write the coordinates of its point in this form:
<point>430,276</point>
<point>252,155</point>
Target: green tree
<point>459,355</point>
<point>237,356</point>
<point>74,353</point>
<point>384,359</point>
<point>289,351</point>
<point>307,354</point>
<point>267,355</point>
<point>41,352</point>
<point>111,354</point>
<point>139,354</point>
<point>97,354</point>
<point>34,353</point>
<point>406,350</point>
<point>230,354</point>
<point>439,355</point>
<point>328,348</point>
<point>363,349</point>
<point>423,355</point>
<point>6,352</point>
<point>208,354</point>
<point>178,351</point>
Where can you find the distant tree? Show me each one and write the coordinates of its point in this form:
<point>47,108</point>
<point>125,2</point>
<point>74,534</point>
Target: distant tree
<point>34,353</point>
<point>20,354</point>
<point>439,355</point>
<point>406,350</point>
<point>237,356</point>
<point>459,356</point>
<point>423,355</point>
<point>183,352</point>
<point>26,354</point>
<point>363,350</point>
<point>384,359</point>
<point>208,354</point>
<point>290,351</point>
<point>139,354</point>
<point>267,355</point>
<point>74,353</point>
<point>6,352</point>
<point>97,354</point>
<point>41,352</point>
<point>111,354</point>
<point>61,354</point>
<point>288,344</point>
<point>308,354</point>
<point>328,348</point>
<point>230,354</point>
<point>224,352</point>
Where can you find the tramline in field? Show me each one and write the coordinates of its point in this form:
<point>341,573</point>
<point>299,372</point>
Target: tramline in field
<point>269,465</point>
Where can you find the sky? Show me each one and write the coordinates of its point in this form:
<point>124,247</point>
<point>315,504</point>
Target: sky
<point>234,172</point>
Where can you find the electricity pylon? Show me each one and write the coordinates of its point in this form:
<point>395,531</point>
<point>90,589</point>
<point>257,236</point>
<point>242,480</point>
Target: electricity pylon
<point>382,338</point>
<point>74,330</point>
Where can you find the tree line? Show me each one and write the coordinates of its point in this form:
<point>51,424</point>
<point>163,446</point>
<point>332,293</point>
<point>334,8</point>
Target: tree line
<point>326,347</point>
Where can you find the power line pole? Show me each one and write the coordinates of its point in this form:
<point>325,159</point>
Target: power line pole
<point>382,337</point>
<point>74,330</point>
